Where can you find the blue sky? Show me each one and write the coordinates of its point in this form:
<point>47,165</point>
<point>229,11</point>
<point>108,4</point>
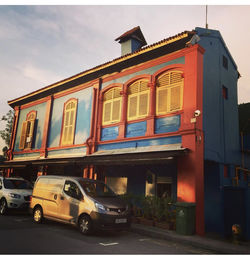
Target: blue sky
<point>40,45</point>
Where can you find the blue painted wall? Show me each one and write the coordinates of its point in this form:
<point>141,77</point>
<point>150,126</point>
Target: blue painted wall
<point>137,129</point>
<point>38,130</point>
<point>220,116</point>
<point>167,124</point>
<point>110,133</point>
<point>83,118</point>
<point>140,143</point>
<point>214,215</point>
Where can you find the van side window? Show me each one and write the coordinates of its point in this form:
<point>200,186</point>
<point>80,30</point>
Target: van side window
<point>71,189</point>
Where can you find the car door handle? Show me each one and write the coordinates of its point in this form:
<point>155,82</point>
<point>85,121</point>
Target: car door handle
<point>55,196</point>
<point>62,198</point>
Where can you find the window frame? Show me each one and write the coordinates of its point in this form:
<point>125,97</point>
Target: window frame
<point>70,141</point>
<point>111,101</point>
<point>137,116</point>
<point>28,131</point>
<point>169,87</point>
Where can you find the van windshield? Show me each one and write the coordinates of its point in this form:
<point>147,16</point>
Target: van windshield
<point>96,189</point>
<point>16,184</point>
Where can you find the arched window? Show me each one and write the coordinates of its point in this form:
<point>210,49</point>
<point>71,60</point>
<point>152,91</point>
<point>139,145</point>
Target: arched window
<point>169,92</point>
<point>112,102</point>
<point>69,122</point>
<point>27,131</point>
<point>138,100</point>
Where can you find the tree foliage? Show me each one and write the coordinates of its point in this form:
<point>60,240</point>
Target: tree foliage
<point>6,133</point>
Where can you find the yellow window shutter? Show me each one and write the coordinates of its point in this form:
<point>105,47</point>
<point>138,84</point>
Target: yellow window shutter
<point>176,77</point>
<point>132,106</point>
<point>23,135</point>
<point>69,123</point>
<point>116,110</point>
<point>30,133</point>
<point>107,112</point>
<point>143,104</point>
<point>175,103</point>
<point>162,97</point>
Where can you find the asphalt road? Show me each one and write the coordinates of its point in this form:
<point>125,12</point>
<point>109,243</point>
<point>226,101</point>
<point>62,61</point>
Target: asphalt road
<point>19,235</point>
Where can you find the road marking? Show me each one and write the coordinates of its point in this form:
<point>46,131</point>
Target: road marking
<point>144,239</point>
<point>109,244</point>
<point>21,220</point>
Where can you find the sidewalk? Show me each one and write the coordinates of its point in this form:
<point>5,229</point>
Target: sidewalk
<point>217,246</point>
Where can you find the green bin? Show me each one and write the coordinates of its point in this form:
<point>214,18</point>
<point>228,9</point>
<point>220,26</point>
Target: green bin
<point>185,218</point>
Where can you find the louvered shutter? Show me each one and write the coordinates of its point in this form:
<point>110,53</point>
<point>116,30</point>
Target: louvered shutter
<point>30,133</point>
<point>143,104</point>
<point>23,135</point>
<point>162,97</point>
<point>132,106</point>
<point>106,112</point>
<point>112,106</point>
<point>116,110</point>
<point>69,123</point>
<point>169,92</point>
<point>175,98</point>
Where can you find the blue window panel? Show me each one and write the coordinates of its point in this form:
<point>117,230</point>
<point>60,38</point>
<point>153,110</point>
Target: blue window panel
<point>136,129</point>
<point>141,143</point>
<point>167,124</point>
<point>109,133</point>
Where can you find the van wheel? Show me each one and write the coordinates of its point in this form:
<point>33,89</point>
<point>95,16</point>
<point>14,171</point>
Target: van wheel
<point>38,215</point>
<point>3,206</point>
<point>85,224</point>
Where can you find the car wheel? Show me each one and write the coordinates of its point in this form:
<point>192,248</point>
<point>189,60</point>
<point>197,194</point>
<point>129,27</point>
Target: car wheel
<point>3,207</point>
<point>85,224</point>
<point>38,215</point>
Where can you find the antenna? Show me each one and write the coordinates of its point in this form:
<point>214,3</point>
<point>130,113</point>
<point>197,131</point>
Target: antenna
<point>206,18</point>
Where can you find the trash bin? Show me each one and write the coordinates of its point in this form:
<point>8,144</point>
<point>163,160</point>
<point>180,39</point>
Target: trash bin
<point>185,218</point>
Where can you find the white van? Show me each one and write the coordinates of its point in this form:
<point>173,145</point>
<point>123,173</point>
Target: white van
<point>88,204</point>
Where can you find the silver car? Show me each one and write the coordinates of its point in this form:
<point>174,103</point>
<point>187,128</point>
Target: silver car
<point>15,193</point>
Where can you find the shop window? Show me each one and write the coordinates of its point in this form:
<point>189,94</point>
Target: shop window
<point>112,101</point>
<point>69,121</point>
<point>27,131</point>
<point>138,100</point>
<point>164,187</point>
<point>118,184</point>
<point>169,92</point>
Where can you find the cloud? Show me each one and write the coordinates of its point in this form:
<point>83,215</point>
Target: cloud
<point>40,75</point>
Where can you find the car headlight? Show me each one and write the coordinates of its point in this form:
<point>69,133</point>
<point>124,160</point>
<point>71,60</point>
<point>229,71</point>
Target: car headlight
<point>15,196</point>
<point>101,207</point>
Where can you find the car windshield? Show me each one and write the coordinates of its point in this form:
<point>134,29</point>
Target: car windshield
<point>16,184</point>
<point>96,189</point>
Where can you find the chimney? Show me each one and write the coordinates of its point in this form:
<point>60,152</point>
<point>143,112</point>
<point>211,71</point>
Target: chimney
<point>131,41</point>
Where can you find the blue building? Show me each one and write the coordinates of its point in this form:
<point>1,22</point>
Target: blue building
<point>166,112</point>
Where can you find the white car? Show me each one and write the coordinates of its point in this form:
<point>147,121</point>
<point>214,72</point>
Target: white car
<point>15,193</point>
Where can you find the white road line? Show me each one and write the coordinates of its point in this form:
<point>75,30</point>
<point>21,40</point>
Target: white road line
<point>21,220</point>
<point>109,244</point>
<point>144,239</point>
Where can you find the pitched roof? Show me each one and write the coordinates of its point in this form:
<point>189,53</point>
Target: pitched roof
<point>144,54</point>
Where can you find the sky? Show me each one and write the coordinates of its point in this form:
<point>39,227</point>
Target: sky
<point>42,44</point>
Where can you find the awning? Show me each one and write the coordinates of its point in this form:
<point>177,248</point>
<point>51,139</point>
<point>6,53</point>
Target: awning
<point>134,156</point>
<point>138,155</point>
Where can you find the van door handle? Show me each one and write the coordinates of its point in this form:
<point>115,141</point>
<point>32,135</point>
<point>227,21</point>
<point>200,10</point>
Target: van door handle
<point>55,196</point>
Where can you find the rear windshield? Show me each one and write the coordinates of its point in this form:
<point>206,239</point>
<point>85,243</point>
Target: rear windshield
<point>16,184</point>
<point>95,189</point>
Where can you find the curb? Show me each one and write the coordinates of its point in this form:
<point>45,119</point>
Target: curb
<point>216,246</point>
